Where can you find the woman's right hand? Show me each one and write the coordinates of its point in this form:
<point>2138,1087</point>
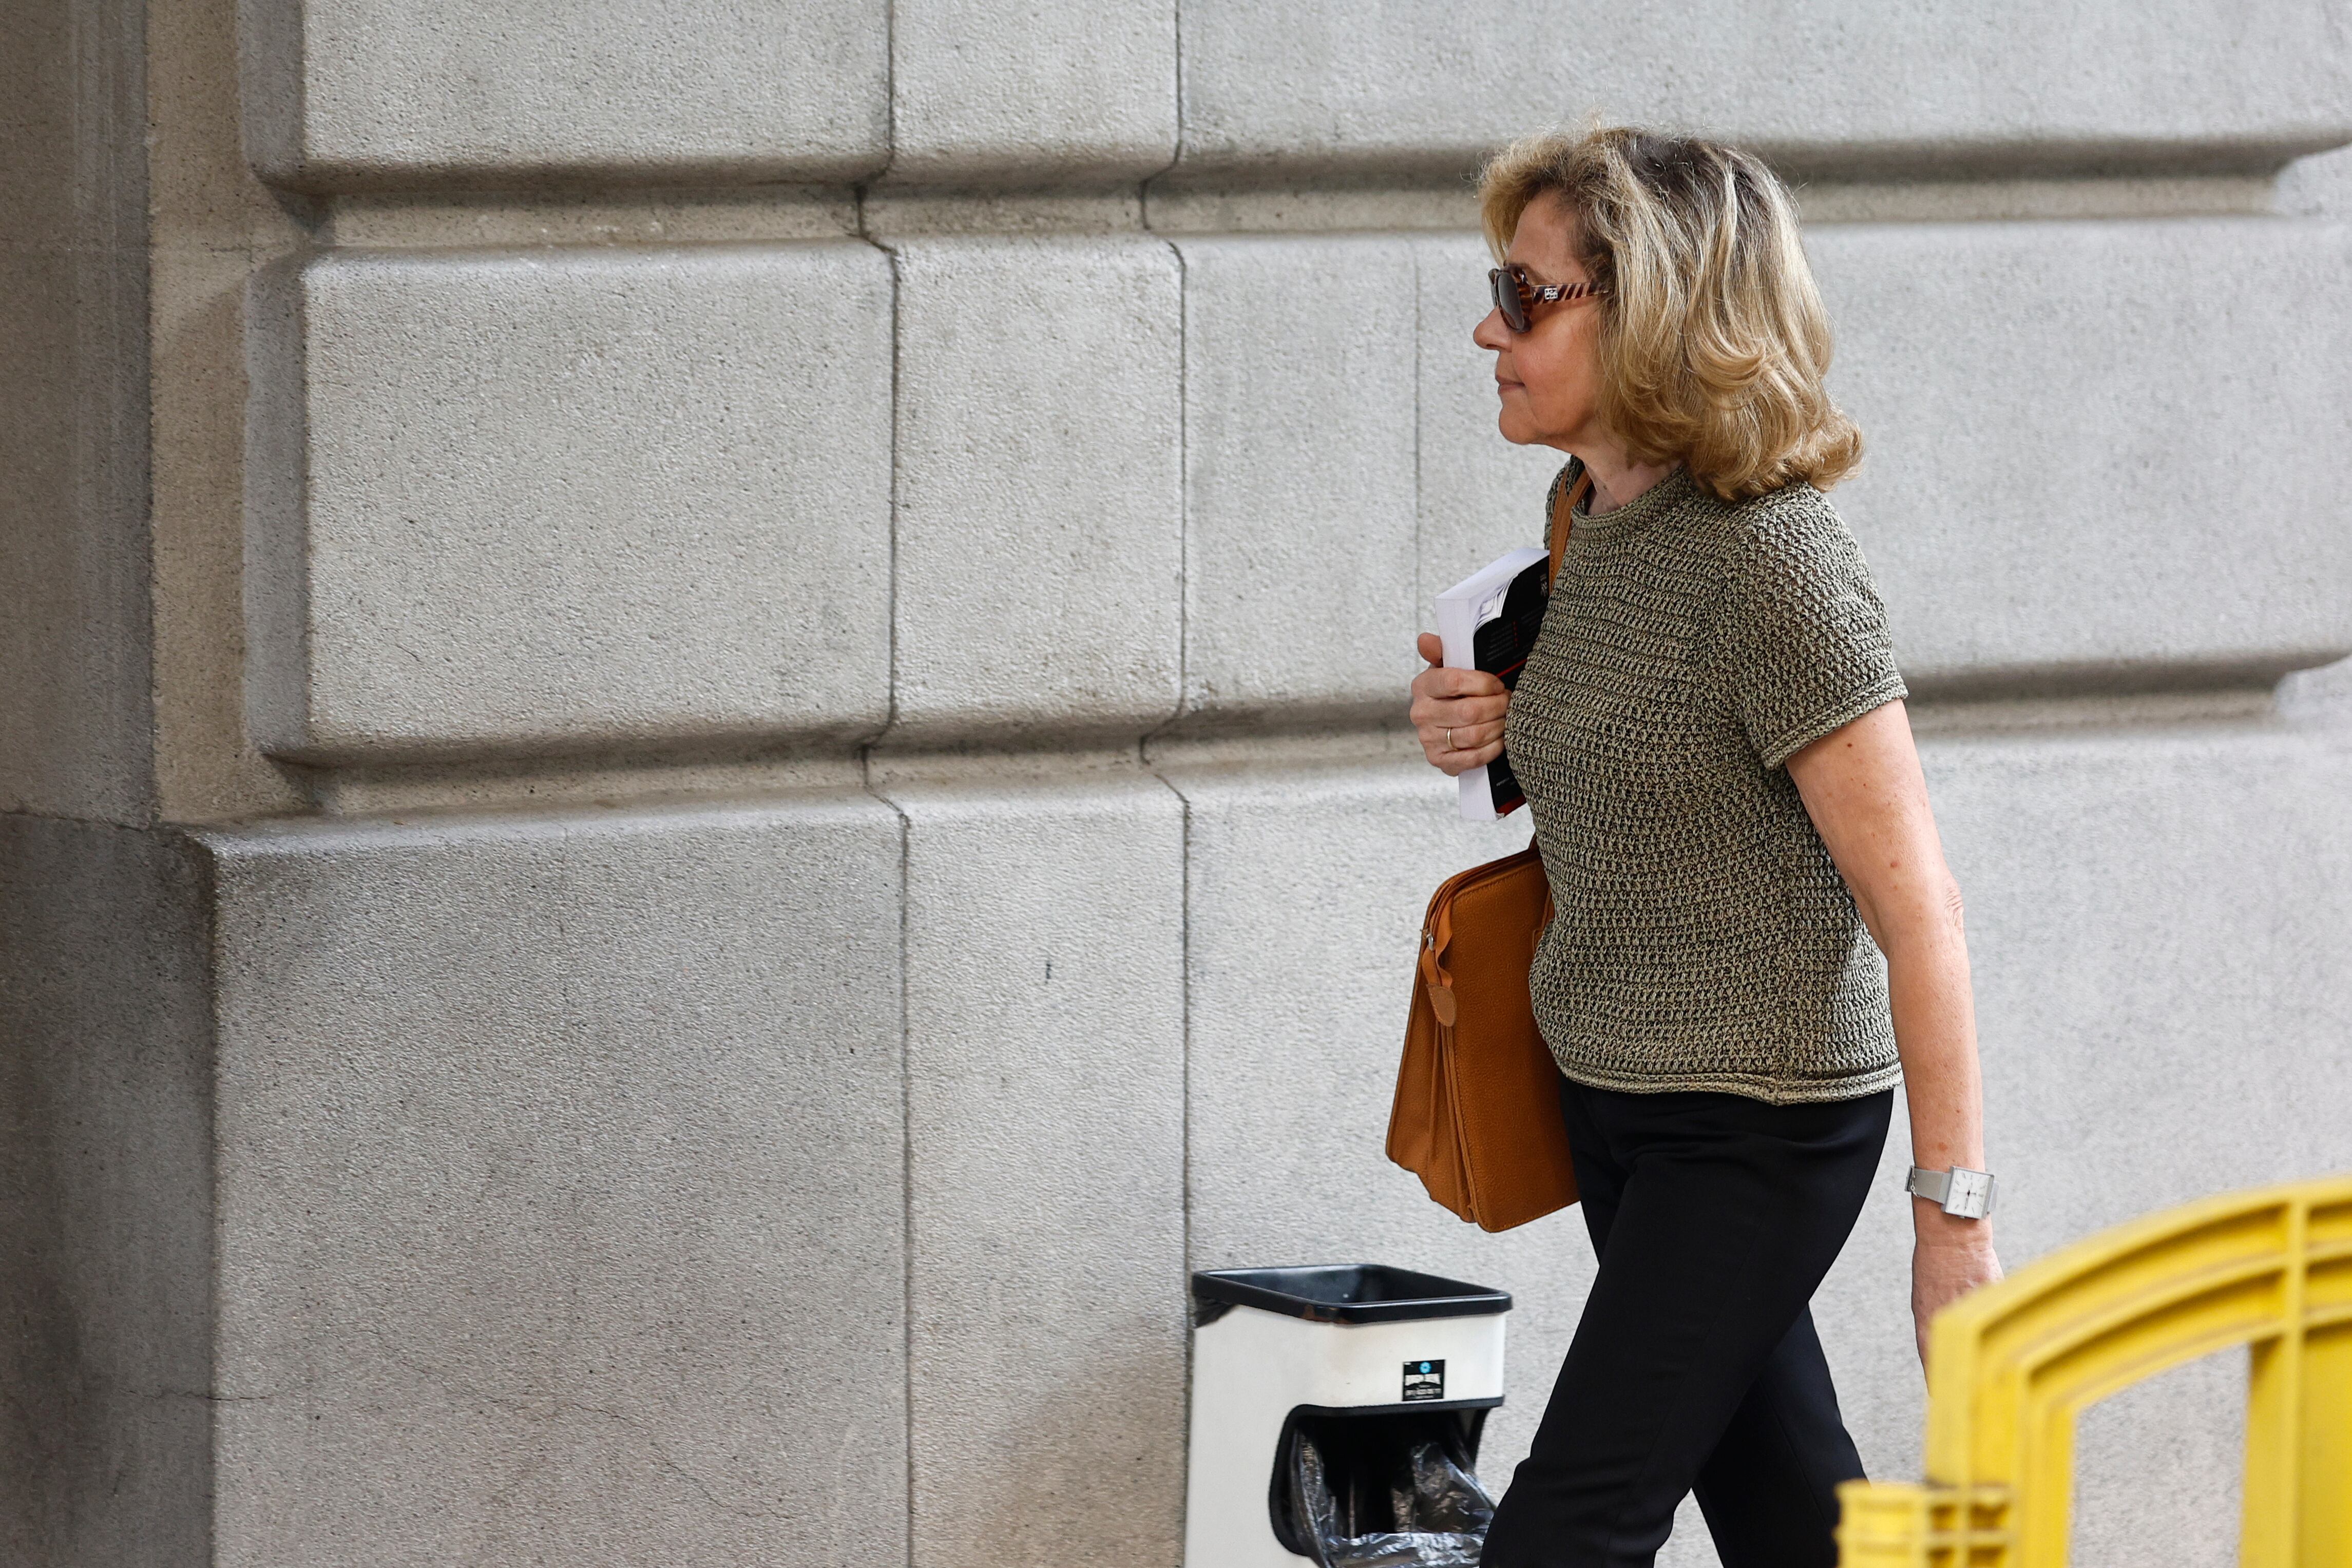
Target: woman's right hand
<point>1457,713</point>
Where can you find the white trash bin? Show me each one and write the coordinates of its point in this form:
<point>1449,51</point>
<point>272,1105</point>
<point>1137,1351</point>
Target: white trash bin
<point>1317,1391</point>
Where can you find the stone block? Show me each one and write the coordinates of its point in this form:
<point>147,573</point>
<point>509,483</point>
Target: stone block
<point>2318,186</point>
<point>2099,452</point>
<point>1046,1098</point>
<point>1037,95</point>
<point>105,1197</point>
<point>359,94</point>
<point>572,501</point>
<point>1305,888</point>
<point>1298,436</point>
<point>1040,548</point>
<point>2054,496</point>
<point>560,1185</point>
<point>1479,495</point>
<point>2159,922</point>
<point>2156,922</point>
<point>2080,86</point>
<point>2160,1468</point>
<point>2319,696</point>
<point>2156,925</point>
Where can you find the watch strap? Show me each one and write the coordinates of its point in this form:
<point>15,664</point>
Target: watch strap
<point>1963,1192</point>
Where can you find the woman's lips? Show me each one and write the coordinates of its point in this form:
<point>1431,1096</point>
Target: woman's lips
<point>1502,386</point>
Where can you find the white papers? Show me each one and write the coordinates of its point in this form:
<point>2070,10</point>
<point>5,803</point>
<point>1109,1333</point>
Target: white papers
<point>1474,602</point>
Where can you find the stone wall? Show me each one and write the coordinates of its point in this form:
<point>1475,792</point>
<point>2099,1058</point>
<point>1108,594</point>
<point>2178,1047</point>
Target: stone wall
<point>702,749</point>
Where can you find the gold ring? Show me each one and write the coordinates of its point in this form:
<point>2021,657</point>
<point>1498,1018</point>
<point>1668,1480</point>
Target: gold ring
<point>1449,740</point>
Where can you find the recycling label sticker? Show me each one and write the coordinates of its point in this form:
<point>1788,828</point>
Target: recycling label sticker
<point>1423,1380</point>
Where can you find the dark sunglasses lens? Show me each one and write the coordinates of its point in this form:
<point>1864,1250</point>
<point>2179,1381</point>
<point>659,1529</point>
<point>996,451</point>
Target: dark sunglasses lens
<point>1505,287</point>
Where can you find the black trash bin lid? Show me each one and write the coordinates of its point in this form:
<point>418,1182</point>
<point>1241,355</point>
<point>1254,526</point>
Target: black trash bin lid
<point>1345,1293</point>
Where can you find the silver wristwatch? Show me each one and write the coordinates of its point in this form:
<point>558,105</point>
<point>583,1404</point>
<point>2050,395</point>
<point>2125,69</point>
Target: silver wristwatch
<point>1962,1192</point>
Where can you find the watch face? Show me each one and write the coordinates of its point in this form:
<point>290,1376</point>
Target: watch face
<point>1970,1194</point>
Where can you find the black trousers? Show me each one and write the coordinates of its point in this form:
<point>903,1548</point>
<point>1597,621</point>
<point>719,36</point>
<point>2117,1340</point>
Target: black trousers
<point>1696,1367</point>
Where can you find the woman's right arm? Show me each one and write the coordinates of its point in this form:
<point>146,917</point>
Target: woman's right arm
<point>1457,713</point>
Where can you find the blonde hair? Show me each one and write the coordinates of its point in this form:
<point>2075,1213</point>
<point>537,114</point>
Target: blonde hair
<point>1713,339</point>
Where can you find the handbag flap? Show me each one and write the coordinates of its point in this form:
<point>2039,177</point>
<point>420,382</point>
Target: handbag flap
<point>1476,1113</point>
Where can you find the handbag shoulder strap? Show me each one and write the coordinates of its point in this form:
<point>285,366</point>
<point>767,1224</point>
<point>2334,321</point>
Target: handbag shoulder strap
<point>1562,516</point>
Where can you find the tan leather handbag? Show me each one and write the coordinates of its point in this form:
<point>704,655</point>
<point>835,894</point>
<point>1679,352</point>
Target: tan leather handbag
<point>1477,1114</point>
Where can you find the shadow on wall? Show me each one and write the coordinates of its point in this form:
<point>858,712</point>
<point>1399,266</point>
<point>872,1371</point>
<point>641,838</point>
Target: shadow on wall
<point>104,1188</point>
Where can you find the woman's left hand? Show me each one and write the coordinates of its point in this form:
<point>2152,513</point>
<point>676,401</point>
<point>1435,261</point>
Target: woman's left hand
<point>1951,1257</point>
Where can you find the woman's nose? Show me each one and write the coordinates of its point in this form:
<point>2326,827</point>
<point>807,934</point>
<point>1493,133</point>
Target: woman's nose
<point>1490,333</point>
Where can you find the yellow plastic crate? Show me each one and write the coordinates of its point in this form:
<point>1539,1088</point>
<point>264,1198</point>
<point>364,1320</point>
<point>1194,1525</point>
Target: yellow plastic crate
<point>2011,1367</point>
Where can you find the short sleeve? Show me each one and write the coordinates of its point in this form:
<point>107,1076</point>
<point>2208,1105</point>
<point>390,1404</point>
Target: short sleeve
<point>1801,646</point>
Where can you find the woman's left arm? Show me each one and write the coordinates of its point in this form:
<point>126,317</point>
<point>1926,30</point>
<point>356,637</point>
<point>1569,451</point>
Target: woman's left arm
<point>1868,800</point>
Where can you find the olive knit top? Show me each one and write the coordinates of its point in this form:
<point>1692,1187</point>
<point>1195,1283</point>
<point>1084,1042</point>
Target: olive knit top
<point>1702,937</point>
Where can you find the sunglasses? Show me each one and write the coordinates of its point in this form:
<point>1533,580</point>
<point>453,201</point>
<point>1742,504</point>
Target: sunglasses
<point>1513,295</point>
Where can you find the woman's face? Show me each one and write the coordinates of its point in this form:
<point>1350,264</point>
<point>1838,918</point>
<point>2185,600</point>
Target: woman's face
<point>1549,377</point>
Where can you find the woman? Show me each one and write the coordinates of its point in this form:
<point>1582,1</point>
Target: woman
<point>1711,735</point>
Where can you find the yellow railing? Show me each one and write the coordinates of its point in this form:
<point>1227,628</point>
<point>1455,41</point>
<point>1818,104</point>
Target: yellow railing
<point>2011,1365</point>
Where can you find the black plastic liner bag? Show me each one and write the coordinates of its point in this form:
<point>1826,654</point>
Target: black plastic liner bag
<point>1387,1492</point>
